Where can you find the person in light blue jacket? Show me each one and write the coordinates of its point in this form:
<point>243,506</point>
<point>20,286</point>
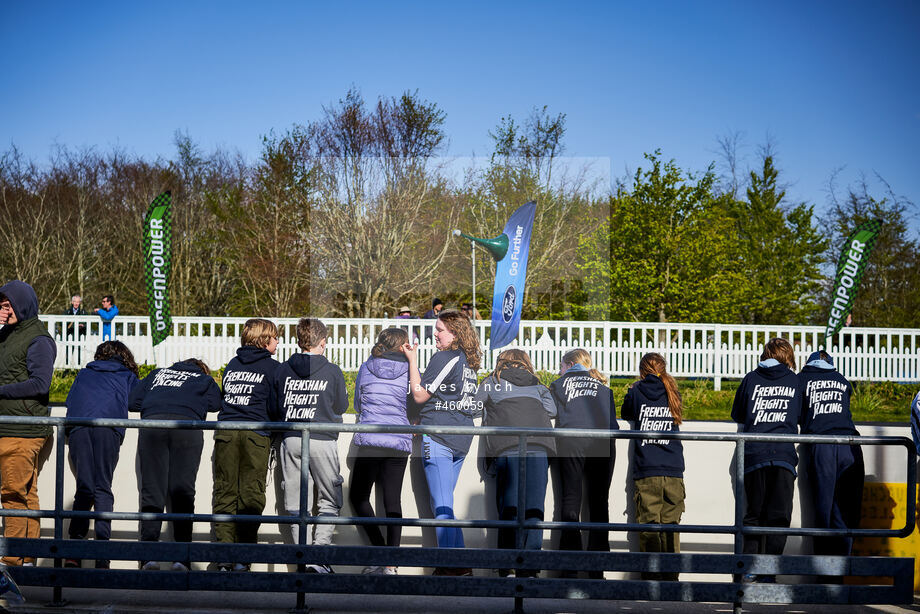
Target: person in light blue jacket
<point>381,395</point>
<point>107,312</point>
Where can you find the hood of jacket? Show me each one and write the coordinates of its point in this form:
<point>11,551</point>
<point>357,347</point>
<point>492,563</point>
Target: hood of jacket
<point>110,365</point>
<point>22,298</point>
<point>307,365</point>
<point>186,365</point>
<point>390,365</point>
<point>249,354</point>
<point>773,371</point>
<point>652,387</point>
<point>519,377</point>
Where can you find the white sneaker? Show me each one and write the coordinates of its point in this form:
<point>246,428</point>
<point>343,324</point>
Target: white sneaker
<point>318,569</point>
<point>29,564</point>
<point>177,566</point>
<point>389,570</point>
<point>150,566</point>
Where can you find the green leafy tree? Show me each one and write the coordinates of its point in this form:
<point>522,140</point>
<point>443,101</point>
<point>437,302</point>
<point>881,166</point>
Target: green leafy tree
<point>670,250</point>
<point>781,252</point>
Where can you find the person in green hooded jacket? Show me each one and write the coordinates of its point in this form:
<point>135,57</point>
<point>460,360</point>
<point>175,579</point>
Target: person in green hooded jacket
<point>27,354</point>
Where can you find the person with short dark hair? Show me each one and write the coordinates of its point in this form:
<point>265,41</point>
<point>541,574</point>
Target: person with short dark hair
<point>309,388</point>
<point>107,312</point>
<point>769,400</point>
<point>169,458</point>
<point>837,470</point>
<point>100,390</point>
<point>27,354</point>
<point>241,457</point>
<point>436,307</point>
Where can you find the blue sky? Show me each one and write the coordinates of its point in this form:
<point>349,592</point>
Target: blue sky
<point>834,84</point>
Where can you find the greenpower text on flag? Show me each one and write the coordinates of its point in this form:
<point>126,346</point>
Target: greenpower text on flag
<point>850,268</point>
<point>158,264</point>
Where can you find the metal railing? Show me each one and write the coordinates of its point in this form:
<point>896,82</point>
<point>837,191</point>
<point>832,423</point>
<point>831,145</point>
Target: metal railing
<point>712,351</point>
<point>737,564</point>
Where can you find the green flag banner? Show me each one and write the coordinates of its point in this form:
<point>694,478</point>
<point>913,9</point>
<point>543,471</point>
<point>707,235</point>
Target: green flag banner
<point>157,265</point>
<point>850,268</point>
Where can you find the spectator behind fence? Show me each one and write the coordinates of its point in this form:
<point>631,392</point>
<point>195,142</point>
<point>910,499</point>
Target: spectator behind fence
<point>380,458</point>
<point>837,471</point>
<point>513,396</point>
<point>107,312</point>
<point>169,458</point>
<point>311,389</point>
<point>241,457</point>
<point>75,309</point>
<point>446,394</point>
<point>584,401</point>
<point>769,400</point>
<point>100,390</point>
<point>653,404</point>
<point>435,311</point>
<point>27,354</point>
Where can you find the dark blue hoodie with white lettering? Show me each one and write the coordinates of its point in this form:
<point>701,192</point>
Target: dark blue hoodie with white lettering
<point>583,402</point>
<point>248,386</point>
<point>769,400</point>
<point>179,390</point>
<point>646,404</point>
<point>309,388</point>
<point>826,409</point>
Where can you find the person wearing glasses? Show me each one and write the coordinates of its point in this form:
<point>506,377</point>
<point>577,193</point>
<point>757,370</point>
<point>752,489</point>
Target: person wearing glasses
<point>107,312</point>
<point>27,354</point>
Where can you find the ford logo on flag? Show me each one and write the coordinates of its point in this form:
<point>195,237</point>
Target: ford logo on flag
<point>508,304</point>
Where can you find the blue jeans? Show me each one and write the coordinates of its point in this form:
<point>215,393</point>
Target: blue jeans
<point>442,468</point>
<point>508,476</point>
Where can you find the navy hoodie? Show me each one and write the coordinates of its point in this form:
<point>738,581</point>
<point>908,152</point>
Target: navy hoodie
<point>248,389</point>
<point>179,390</point>
<point>646,404</point>
<point>101,390</point>
<point>309,388</point>
<point>769,400</point>
<point>826,409</point>
<point>583,402</point>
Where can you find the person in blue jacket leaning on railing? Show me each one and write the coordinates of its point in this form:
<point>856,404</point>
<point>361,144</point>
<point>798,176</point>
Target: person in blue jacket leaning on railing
<point>107,312</point>
<point>169,458</point>
<point>100,390</point>
<point>837,470</point>
<point>769,400</point>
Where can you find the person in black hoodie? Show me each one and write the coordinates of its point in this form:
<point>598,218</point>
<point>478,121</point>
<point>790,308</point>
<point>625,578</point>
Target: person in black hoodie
<point>309,388</point>
<point>837,470</point>
<point>169,458</point>
<point>100,390</point>
<point>584,401</point>
<point>769,400</point>
<point>654,404</point>
<point>241,457</point>
<point>513,396</point>
<point>27,354</point>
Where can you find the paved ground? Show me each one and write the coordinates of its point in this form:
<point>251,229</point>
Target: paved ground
<point>83,601</point>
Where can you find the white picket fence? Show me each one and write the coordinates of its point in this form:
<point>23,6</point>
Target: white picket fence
<point>712,351</point>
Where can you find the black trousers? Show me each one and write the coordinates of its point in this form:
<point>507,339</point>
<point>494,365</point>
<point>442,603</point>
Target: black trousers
<point>385,468</point>
<point>837,473</point>
<point>169,460</point>
<point>581,468</point>
<point>768,492</point>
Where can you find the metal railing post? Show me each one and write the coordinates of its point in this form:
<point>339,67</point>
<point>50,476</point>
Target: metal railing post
<point>304,512</point>
<point>739,510</point>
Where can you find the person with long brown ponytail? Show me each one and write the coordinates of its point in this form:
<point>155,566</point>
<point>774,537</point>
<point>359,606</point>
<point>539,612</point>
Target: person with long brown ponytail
<point>584,401</point>
<point>653,404</point>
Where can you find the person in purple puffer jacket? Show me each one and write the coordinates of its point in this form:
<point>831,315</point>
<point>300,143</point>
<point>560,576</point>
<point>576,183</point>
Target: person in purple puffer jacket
<point>381,394</point>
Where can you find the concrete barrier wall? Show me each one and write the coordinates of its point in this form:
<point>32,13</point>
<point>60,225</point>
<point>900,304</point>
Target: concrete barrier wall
<point>708,481</point>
